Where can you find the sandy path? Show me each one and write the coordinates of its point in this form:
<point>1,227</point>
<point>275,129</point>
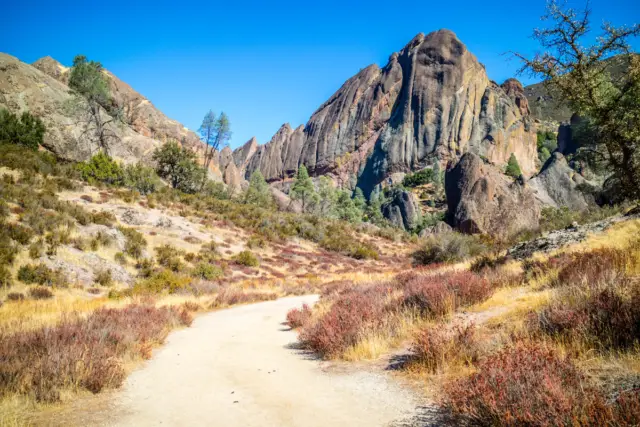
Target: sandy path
<point>236,367</point>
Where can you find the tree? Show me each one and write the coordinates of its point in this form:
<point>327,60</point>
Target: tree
<point>102,168</point>
<point>327,198</point>
<point>580,75</point>
<point>179,166</point>
<point>346,207</point>
<point>303,189</point>
<point>89,83</point>
<point>359,200</point>
<point>258,193</point>
<point>373,212</point>
<point>214,133</point>
<point>513,167</point>
<point>28,130</point>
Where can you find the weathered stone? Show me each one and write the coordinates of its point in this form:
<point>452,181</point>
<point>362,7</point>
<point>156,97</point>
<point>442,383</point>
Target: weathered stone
<point>403,210</point>
<point>556,185</point>
<point>513,88</point>
<point>483,200</point>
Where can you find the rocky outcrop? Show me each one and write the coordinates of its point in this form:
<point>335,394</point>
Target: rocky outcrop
<point>514,90</point>
<point>139,113</point>
<point>432,102</point>
<point>25,88</point>
<point>481,199</point>
<point>556,185</point>
<point>242,155</point>
<point>402,210</point>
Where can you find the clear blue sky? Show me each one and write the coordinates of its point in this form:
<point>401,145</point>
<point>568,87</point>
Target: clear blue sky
<point>270,62</point>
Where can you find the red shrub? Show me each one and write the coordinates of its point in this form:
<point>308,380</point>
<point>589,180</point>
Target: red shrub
<point>351,314</point>
<point>298,317</point>
<point>435,346</point>
<point>596,266</point>
<point>232,296</point>
<point>82,352</point>
<point>527,385</point>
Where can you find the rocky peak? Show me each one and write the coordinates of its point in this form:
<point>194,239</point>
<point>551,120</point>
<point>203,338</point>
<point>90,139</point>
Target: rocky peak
<point>513,88</point>
<point>53,68</point>
<point>431,102</point>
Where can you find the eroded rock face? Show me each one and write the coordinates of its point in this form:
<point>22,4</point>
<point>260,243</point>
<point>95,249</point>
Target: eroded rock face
<point>514,90</point>
<point>483,200</point>
<point>432,102</point>
<point>403,210</point>
<point>556,185</point>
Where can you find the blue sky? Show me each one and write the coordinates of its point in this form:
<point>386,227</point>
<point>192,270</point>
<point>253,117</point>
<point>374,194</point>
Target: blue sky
<point>265,63</point>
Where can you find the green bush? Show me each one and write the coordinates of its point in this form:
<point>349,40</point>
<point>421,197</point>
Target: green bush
<point>141,178</point>
<point>206,271</point>
<point>246,258</point>
<point>42,275</point>
<point>168,256</point>
<point>103,278</point>
<point>165,281</point>
<point>102,168</point>
<point>448,247</point>
<point>179,166</point>
<point>5,277</point>
<point>513,168</point>
<point>425,176</point>
<point>135,242</point>
<point>27,130</point>
<point>120,258</point>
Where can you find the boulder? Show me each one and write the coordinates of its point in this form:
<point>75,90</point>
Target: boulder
<point>284,202</point>
<point>556,185</point>
<point>403,210</point>
<point>481,199</point>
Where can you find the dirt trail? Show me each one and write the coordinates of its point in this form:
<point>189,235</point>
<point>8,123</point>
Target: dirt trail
<point>238,367</point>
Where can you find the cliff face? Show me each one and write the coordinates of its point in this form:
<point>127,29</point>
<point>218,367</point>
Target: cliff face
<point>432,102</point>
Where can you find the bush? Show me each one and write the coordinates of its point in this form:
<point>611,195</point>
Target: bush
<point>120,258</point>
<point>527,385</point>
<point>102,168</point>
<point>103,218</point>
<point>206,271</point>
<point>42,275</point>
<point>298,317</point>
<point>364,251</point>
<point>135,242</point>
<point>27,131</point>
<point>15,296</point>
<point>179,166</point>
<point>168,256</point>
<point>141,178</point>
<point>83,352</point>
<point>232,296</point>
<point>513,167</point>
<point>6,280</point>
<point>103,278</point>
<point>436,347</point>
<point>246,258</point>
<point>165,281</point>
<point>425,176</point>
<point>40,292</point>
<point>448,247</point>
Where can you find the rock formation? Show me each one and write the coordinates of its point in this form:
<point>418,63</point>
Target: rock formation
<point>483,200</point>
<point>402,210</point>
<point>556,185</point>
<point>432,102</point>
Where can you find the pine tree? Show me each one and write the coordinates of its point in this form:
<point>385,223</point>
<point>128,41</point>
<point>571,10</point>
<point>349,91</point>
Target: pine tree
<point>304,190</point>
<point>513,168</point>
<point>258,193</point>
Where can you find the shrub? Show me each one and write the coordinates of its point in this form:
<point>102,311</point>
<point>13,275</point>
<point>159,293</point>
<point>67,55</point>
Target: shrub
<point>449,247</point>
<point>8,250</point>
<point>28,130</point>
<point>83,352</point>
<point>232,296</point>
<point>164,281</point>
<point>15,296</point>
<point>527,385</point>
<point>298,317</point>
<point>179,166</point>
<point>103,278</point>
<point>425,176</point>
<point>100,239</point>
<point>246,258</point>
<point>364,251</point>
<point>5,277</point>
<point>135,242</point>
<point>206,271</point>
<point>41,275</point>
<point>596,266</point>
<point>141,178</point>
<point>40,292</point>
<point>120,258</point>
<point>19,233</point>
<point>168,256</point>
<point>101,168</point>
<point>36,249</point>
<point>436,346</point>
<point>103,218</point>
<point>513,167</point>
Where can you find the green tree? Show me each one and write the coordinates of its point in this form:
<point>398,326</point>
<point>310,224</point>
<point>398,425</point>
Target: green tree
<point>179,166</point>
<point>327,198</point>
<point>304,190</point>
<point>141,178</point>
<point>89,83</point>
<point>513,168</point>
<point>28,130</point>
<point>373,212</point>
<point>575,68</point>
<point>359,200</point>
<point>346,207</point>
<point>215,133</point>
<point>258,193</point>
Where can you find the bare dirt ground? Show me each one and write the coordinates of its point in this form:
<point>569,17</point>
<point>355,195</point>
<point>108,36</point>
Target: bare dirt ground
<point>240,367</point>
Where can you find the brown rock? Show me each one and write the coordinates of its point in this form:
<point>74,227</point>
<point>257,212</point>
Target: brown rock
<point>483,200</point>
<point>514,90</point>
